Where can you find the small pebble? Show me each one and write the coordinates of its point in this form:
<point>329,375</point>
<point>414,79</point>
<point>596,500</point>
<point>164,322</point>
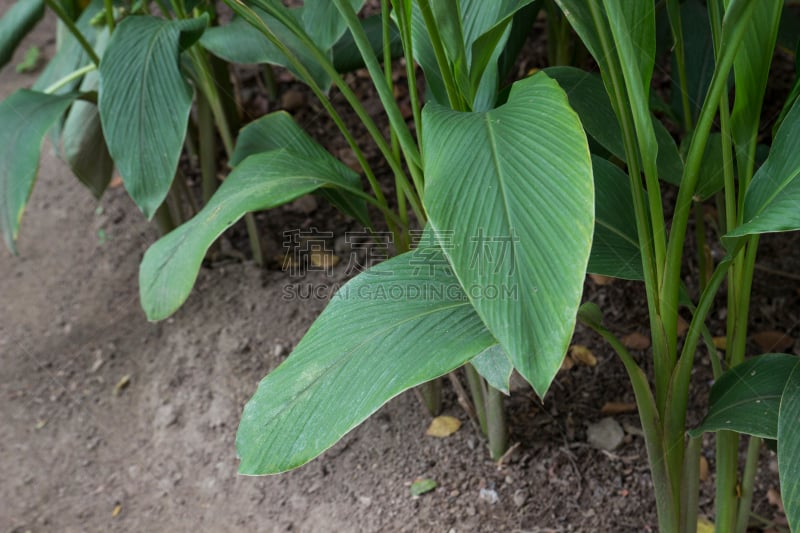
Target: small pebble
<point>606,434</point>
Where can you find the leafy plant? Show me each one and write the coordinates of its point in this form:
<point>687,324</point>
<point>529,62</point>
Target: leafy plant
<point>510,181</point>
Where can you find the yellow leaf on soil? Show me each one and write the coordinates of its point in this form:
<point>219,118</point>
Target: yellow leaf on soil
<point>583,355</point>
<point>443,426</point>
<point>683,326</point>
<point>703,468</point>
<point>116,511</point>
<point>615,408</point>
<point>636,341</point>
<point>720,343</point>
<point>704,526</point>
<point>601,280</point>
<point>324,259</point>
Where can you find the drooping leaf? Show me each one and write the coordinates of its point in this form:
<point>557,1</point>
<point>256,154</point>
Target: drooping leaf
<point>26,116</point>
<point>615,246</point>
<point>772,202</point>
<point>239,42</point>
<point>789,448</point>
<point>494,366</point>
<point>17,21</point>
<point>83,145</point>
<point>323,22</point>
<point>387,330</point>
<point>279,131</point>
<point>588,97</point>
<point>144,103</point>
<point>346,56</point>
<point>523,222</point>
<point>747,397</point>
<point>262,181</point>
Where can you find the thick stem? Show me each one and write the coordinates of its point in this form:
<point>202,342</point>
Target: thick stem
<point>690,490</point>
<point>207,148</point>
<point>748,483</point>
<point>109,8</point>
<point>726,498</point>
<point>163,219</point>
<point>474,380</point>
<point>255,241</point>
<point>432,396</point>
<point>496,428</point>
<point>64,17</point>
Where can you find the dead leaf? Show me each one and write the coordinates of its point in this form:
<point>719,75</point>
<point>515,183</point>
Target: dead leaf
<point>40,424</point>
<point>324,259</point>
<point>774,498</point>
<point>683,326</point>
<point>703,474</point>
<point>601,280</point>
<point>115,182</point>
<point>123,382</point>
<point>720,343</point>
<point>582,354</point>
<point>443,426</point>
<point>421,486</point>
<point>704,525</point>
<point>636,341</point>
<point>773,341</point>
<point>567,363</point>
<point>116,511</point>
<point>616,408</point>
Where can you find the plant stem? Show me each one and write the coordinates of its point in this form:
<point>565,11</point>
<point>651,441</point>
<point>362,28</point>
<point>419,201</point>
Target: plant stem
<point>432,396</point>
<point>455,97</point>
<point>674,15</point>
<point>748,482</point>
<point>74,75</point>
<point>64,17</point>
<point>255,241</point>
<point>109,8</point>
<point>726,499</point>
<point>207,148</point>
<point>164,219</point>
<point>690,493</point>
<point>474,381</point>
<point>496,428</point>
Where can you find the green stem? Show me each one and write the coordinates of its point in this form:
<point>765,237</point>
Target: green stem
<point>64,17</point>
<point>474,380</point>
<point>432,396</point>
<point>109,8</point>
<point>726,499</point>
<point>453,95</point>
<point>690,492</point>
<point>700,238</point>
<point>255,241</point>
<point>74,75</point>
<point>674,15</point>
<point>163,219</point>
<point>748,483</point>
<point>496,428</point>
<point>411,72</point>
<point>207,148</point>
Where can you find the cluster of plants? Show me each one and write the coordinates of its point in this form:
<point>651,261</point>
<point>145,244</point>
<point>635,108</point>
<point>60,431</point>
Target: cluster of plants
<point>519,189</point>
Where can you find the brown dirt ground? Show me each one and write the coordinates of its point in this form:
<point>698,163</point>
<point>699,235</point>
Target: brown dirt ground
<point>159,455</point>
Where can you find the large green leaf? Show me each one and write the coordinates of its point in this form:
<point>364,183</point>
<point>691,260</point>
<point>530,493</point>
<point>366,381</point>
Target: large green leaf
<point>588,97</point>
<point>262,181</point>
<point>83,145</point>
<point>239,42</point>
<point>747,397</point>
<point>387,330</point>
<point>789,448</point>
<point>615,246</point>
<point>699,59</point>
<point>323,22</point>
<point>279,131</point>
<point>772,202</point>
<point>26,116</point>
<point>15,25</point>
<point>514,185</point>
<point>145,102</point>
<point>484,27</point>
<point>494,366</point>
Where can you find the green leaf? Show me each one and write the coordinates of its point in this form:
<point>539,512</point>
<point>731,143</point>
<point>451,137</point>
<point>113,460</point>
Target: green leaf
<point>494,366</point>
<point>347,57</point>
<point>262,181</point>
<point>145,101</point>
<point>323,22</point>
<point>17,21</point>
<point>387,330</point>
<point>747,397</point>
<point>514,186</point>
<point>587,95</point>
<point>700,62</point>
<point>711,176</point>
<point>421,486</point>
<point>239,42</point>
<point>30,61</point>
<point>772,200</point>
<point>615,246</point>
<point>279,131</point>
<point>789,448</point>
<point>83,145</point>
<point>26,116</point>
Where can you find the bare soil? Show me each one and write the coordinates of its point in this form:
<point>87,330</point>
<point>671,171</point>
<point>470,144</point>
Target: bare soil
<point>111,423</point>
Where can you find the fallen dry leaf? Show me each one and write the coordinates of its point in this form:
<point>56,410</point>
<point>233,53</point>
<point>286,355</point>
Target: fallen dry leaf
<point>636,341</point>
<point>324,259</point>
<point>116,511</point>
<point>616,408</point>
<point>582,354</point>
<point>443,426</point>
<point>774,498</point>
<point>123,382</point>
<point>704,525</point>
<point>720,343</point>
<point>703,468</point>
<point>601,280</point>
<point>683,326</point>
<point>567,363</point>
<point>773,341</point>
<point>115,182</point>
